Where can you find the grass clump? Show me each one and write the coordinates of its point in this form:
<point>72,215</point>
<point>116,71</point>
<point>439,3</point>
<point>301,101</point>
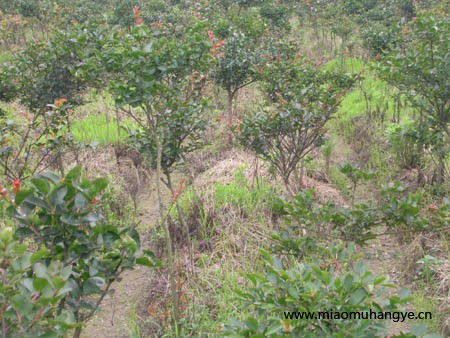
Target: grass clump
<point>240,193</point>
<point>229,223</point>
<point>100,129</point>
<point>4,58</point>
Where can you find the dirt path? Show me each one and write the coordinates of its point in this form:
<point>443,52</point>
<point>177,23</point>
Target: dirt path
<point>118,314</point>
<point>383,256</point>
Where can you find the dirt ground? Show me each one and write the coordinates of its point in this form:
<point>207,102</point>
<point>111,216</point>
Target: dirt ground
<point>120,311</point>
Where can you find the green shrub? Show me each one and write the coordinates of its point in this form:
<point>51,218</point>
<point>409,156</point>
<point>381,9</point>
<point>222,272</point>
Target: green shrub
<point>336,282</point>
<point>301,101</point>
<point>60,215</point>
<point>340,181</point>
<point>403,144</point>
<point>31,290</point>
<point>398,211</point>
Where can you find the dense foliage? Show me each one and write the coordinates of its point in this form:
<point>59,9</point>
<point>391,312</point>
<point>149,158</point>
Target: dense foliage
<point>350,97</point>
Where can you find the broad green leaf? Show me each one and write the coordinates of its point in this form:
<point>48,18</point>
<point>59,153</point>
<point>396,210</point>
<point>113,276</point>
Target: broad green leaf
<point>57,195</point>
<point>50,176</point>
<point>34,201</point>
<point>58,282</point>
<point>22,195</point>
<point>74,173</point>
<point>251,323</point>
<point>357,296</point>
<point>65,289</point>
<point>28,283</point>
<point>39,284</point>
<point>81,201</point>
<point>145,261</point>
<point>22,304</point>
<point>97,186</point>
<point>40,270</point>
<point>70,219</point>
<point>92,285</point>
<point>66,272</point>
<point>348,282</point>
<point>274,328</point>
<point>41,184</point>
<point>38,255</point>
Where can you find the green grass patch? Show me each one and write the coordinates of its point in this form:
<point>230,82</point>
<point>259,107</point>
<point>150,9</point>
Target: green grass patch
<point>4,58</point>
<point>371,96</point>
<point>340,181</point>
<point>424,303</point>
<point>346,65</point>
<point>100,129</point>
<point>240,193</point>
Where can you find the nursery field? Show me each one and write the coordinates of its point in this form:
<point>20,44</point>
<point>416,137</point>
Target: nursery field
<point>238,168</point>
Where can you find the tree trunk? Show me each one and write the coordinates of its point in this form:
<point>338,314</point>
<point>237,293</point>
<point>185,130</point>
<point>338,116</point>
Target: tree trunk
<point>77,333</point>
<point>170,256</point>
<point>4,325</point>
<point>180,212</point>
<point>229,118</point>
<point>440,171</point>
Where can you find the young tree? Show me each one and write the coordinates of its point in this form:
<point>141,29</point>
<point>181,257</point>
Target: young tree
<point>237,68</point>
<point>419,65</point>
<point>157,80</point>
<point>50,70</point>
<point>157,76</point>
<point>303,100</point>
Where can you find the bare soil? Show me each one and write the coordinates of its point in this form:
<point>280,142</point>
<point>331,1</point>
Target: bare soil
<point>120,311</point>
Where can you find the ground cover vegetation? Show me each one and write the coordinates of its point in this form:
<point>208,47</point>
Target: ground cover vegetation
<point>197,169</point>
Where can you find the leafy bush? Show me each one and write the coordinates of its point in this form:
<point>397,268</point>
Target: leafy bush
<point>336,282</point>
<point>355,175</point>
<point>28,146</point>
<point>277,16</point>
<point>403,144</point>
<point>377,38</point>
<point>404,213</point>
<point>47,71</point>
<point>31,290</point>
<point>417,65</point>
<point>409,212</point>
<point>304,100</point>
<point>60,215</point>
<point>236,67</point>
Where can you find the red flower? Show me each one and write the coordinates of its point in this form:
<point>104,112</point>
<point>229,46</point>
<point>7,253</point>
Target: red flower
<point>136,10</point>
<point>216,46</point>
<point>138,20</point>
<point>16,186</point>
<point>58,103</point>
<point>211,35</point>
